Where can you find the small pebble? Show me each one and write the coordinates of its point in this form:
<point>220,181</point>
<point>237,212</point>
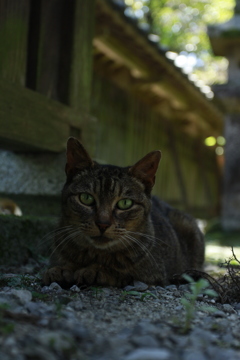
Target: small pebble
<point>74,288</point>
<point>149,354</point>
<point>23,296</point>
<point>140,286</point>
<point>171,287</point>
<point>228,308</point>
<point>55,286</point>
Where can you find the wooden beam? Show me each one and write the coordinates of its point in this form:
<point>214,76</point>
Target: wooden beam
<point>115,30</point>
<point>30,121</point>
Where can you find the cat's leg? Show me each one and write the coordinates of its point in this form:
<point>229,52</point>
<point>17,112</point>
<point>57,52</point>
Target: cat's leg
<point>61,275</point>
<point>99,275</point>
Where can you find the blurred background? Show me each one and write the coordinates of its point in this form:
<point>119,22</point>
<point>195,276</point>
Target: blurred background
<point>125,77</point>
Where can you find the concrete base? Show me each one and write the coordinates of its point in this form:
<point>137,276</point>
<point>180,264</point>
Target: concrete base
<point>231,185</point>
<point>32,174</point>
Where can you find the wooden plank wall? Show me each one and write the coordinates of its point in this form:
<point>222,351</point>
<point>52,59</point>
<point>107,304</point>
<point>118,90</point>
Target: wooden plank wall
<point>14,17</point>
<point>46,47</point>
<point>47,94</point>
<point>187,176</point>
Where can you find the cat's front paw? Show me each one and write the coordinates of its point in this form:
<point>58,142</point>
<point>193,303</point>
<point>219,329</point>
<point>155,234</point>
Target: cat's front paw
<point>58,274</point>
<point>97,275</point>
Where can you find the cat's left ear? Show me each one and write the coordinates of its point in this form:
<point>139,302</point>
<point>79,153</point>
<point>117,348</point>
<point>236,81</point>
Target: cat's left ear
<point>145,169</point>
<point>77,157</point>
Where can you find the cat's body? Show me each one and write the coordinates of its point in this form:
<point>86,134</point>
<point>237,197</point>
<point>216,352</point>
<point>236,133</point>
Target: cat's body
<point>113,232</point>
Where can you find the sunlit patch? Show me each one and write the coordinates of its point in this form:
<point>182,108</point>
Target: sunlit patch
<point>221,140</point>
<point>219,150</point>
<point>210,141</point>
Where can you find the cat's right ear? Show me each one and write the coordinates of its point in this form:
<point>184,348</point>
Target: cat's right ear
<point>77,157</point>
<point>146,168</point>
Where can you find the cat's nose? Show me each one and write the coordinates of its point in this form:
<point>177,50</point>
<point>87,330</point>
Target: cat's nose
<point>103,226</point>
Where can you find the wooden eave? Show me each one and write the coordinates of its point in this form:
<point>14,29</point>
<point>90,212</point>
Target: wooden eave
<point>125,55</point>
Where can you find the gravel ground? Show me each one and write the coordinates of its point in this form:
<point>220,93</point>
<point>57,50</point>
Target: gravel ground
<point>136,323</point>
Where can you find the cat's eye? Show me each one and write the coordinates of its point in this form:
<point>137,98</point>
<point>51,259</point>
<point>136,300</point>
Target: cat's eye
<point>124,204</point>
<point>86,199</point>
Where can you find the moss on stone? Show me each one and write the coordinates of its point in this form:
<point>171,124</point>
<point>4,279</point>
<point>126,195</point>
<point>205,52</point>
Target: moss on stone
<point>24,237</point>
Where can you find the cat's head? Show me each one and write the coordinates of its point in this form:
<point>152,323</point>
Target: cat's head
<point>107,204</point>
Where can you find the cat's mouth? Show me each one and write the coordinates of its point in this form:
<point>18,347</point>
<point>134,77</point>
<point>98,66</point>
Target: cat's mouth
<point>101,239</point>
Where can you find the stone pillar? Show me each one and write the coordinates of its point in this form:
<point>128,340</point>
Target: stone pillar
<point>225,41</point>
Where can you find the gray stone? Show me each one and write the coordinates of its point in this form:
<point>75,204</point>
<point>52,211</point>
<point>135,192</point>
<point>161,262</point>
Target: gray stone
<point>56,339</point>
<point>149,354</point>
<point>76,305</point>
<point>106,291</point>
<point>23,296</point>
<point>38,352</point>
<point>229,309</point>
<point>237,306</point>
<point>184,287</point>
<point>54,286</point>
<point>75,288</point>
<point>39,308</point>
<point>216,353</point>
<point>218,313</point>
<point>192,354</point>
<point>171,287</point>
<point>129,288</point>
<point>145,341</point>
<point>45,289</point>
<point>140,286</point>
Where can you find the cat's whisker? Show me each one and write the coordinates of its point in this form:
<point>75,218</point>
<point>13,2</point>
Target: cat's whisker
<point>147,236</point>
<point>146,250</point>
<point>129,242</point>
<point>50,236</point>
<point>54,232</point>
<point>143,247</point>
<point>65,241</point>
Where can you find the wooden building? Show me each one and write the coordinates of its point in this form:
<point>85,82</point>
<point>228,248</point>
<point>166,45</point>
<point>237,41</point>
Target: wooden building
<point>83,68</point>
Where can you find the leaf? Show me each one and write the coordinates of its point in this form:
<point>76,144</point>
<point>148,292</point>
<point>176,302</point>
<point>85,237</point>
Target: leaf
<point>132,292</point>
<point>148,294</point>
<point>188,278</point>
<point>207,308</point>
<point>185,302</point>
<point>210,292</point>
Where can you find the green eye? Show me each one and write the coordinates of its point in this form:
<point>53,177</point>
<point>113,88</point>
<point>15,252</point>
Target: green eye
<point>124,204</point>
<point>86,199</point>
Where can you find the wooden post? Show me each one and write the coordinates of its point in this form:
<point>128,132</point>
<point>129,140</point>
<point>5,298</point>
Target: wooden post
<point>82,54</point>
<point>13,40</point>
<point>176,161</point>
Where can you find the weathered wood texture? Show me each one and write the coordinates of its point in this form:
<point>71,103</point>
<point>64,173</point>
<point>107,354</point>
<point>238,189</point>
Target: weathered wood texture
<point>128,130</point>
<point>47,47</point>
<point>48,94</point>
<point>14,16</point>
<point>29,121</point>
<point>81,66</point>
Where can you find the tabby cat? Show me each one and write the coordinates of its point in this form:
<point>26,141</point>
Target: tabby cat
<point>113,232</point>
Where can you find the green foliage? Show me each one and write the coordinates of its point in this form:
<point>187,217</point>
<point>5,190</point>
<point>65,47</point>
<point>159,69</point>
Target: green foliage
<point>39,296</point>
<point>97,292</point>
<point>5,327</point>
<point>189,301</point>
<point>23,281</point>
<point>182,26</point>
